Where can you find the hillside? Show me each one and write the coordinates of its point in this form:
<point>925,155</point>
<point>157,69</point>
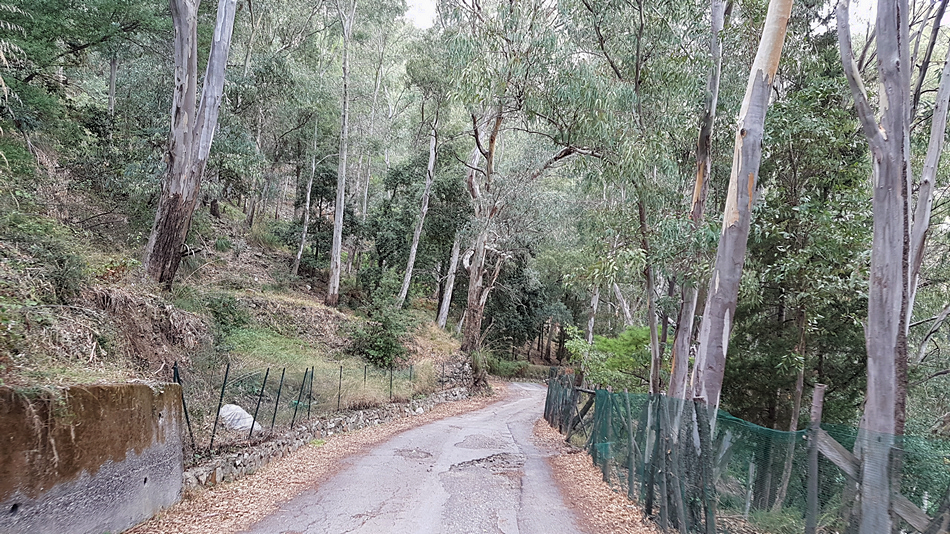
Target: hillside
<point>76,308</point>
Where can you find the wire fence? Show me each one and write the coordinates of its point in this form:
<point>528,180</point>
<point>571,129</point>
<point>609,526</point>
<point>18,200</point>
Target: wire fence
<point>736,477</point>
<point>278,398</point>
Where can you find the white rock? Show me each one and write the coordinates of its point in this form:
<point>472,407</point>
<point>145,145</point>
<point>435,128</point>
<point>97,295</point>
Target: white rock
<point>235,418</point>
<point>419,410</point>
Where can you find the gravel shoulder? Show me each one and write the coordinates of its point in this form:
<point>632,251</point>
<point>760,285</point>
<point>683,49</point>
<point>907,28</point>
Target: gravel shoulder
<point>604,510</point>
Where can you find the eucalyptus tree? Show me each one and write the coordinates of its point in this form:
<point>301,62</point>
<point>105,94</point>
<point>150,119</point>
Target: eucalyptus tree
<point>648,68</point>
<point>719,312</point>
<point>683,336</point>
<point>427,76</point>
<point>346,9</point>
<point>192,131</point>
<point>900,231</point>
<point>505,53</point>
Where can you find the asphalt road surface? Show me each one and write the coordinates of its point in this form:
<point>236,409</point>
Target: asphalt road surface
<point>479,472</point>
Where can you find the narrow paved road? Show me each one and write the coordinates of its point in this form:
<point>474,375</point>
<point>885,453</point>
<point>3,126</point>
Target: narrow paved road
<point>478,472</point>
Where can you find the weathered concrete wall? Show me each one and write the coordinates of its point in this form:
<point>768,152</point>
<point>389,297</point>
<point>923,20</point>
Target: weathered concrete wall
<point>88,459</point>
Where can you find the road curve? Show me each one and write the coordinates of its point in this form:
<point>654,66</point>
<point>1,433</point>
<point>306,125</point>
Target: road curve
<point>474,473</point>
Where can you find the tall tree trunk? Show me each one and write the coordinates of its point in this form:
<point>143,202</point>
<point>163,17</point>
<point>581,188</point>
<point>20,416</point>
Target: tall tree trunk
<point>477,287</point>
<point>897,244</point>
<point>624,305</point>
<point>333,285</point>
<point>449,282</point>
<point>192,130</point>
<point>423,209</point>
<point>730,255</point>
<point>306,208</point>
<point>113,73</point>
<point>683,337</point>
<point>594,301</point>
<point>656,363</point>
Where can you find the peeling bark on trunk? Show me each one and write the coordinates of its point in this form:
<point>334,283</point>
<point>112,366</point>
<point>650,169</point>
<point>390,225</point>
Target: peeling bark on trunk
<point>192,130</point>
<point>683,337</point>
<point>730,255</point>
<point>897,246</point>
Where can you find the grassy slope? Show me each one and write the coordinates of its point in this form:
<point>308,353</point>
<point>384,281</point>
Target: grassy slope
<point>74,307</point>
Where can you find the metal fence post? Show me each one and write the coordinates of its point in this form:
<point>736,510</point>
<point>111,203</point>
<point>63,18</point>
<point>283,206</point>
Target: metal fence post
<point>184,407</point>
<point>258,407</point>
<point>217,414</point>
<point>277,402</point>
<point>339,391</point>
<point>303,384</point>
<point>390,383</point>
<point>310,394</point>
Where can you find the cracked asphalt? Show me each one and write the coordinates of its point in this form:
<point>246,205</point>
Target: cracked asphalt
<point>479,472</point>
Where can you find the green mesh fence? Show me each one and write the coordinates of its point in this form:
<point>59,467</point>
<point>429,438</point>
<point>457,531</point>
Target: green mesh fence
<point>740,477</point>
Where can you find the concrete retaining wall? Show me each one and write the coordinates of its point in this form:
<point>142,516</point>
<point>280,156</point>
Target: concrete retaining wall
<point>88,459</point>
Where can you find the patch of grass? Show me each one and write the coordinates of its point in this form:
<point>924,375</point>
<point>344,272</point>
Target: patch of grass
<point>223,244</point>
<point>267,347</point>
<point>317,442</point>
<point>506,368</point>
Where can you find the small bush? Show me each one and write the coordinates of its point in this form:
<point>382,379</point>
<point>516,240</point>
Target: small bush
<point>228,314</point>
<point>46,242</point>
<point>223,244</point>
<point>379,341</point>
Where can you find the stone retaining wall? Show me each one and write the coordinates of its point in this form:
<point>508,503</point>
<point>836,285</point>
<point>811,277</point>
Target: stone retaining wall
<point>234,465</point>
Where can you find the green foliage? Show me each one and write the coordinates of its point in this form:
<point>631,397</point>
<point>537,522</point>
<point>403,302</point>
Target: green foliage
<point>506,368</point>
<point>228,314</point>
<point>620,362</point>
<point>223,244</point>
<point>49,253</point>
<point>379,339</point>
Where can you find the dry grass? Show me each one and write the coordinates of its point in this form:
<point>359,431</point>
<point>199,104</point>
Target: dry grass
<point>235,506</point>
<point>604,510</point>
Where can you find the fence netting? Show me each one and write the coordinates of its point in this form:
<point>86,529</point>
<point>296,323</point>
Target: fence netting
<point>693,473</point>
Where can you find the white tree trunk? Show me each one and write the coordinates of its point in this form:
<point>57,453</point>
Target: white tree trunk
<point>450,281</point>
<point>730,255</point>
<point>306,208</point>
<point>423,209</point>
<point>683,337</point>
<point>192,130</point>
<point>624,305</point>
<point>333,285</point>
<point>594,301</point>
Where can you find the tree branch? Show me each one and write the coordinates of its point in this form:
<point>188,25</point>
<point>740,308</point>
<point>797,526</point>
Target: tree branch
<point>865,114</point>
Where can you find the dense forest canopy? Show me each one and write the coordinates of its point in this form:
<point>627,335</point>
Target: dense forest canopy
<point>548,175</point>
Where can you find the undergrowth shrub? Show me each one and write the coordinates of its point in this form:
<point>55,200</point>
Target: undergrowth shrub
<point>48,253</point>
<point>506,368</point>
<point>380,339</point>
